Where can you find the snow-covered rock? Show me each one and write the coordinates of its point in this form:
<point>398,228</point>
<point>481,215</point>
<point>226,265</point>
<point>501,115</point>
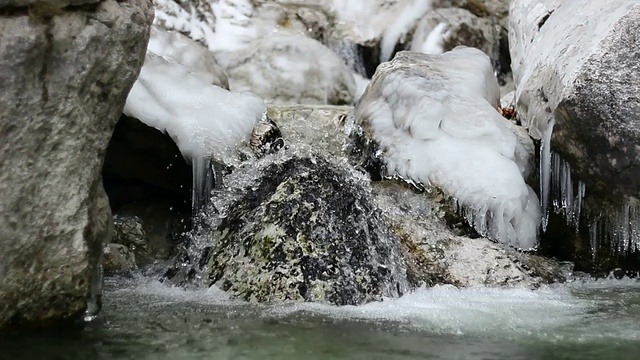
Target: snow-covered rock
<point>204,120</point>
<point>184,51</point>
<point>576,69</point>
<point>434,120</point>
<point>64,83</point>
<point>290,69</point>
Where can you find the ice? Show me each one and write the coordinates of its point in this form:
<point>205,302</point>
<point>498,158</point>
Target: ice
<point>361,85</point>
<point>431,42</point>
<point>403,23</point>
<point>545,172</point>
<point>443,129</point>
<point>616,231</point>
<point>208,123</point>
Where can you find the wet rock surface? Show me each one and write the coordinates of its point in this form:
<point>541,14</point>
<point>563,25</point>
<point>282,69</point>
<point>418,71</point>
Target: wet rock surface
<point>297,227</point>
<point>65,73</point>
<point>306,231</point>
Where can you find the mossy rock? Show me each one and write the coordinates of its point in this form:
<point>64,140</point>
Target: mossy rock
<point>306,231</point>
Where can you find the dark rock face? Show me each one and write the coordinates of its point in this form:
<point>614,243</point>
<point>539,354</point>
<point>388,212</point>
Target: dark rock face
<point>144,164</point>
<point>583,85</point>
<point>65,74</point>
<point>306,231</point>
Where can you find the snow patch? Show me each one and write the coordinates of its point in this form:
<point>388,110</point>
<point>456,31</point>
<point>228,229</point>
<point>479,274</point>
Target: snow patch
<point>204,120</point>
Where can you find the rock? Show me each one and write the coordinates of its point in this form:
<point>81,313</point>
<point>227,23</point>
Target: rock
<point>189,53</point>
<point>575,66</point>
<point>304,230</point>
<point>436,255</point>
<point>118,258</point>
<point>161,223</point>
<point>65,76</point>
<point>290,70</point>
<point>432,121</point>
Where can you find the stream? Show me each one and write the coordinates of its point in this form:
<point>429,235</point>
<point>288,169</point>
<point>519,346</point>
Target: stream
<point>145,319</point>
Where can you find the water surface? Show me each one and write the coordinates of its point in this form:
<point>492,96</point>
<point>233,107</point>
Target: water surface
<point>144,319</point>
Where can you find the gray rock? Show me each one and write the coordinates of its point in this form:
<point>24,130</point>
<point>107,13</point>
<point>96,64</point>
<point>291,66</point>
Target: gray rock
<point>435,254</point>
<point>305,230</point>
<point>65,79</point>
<point>118,259</point>
<point>128,231</point>
<point>288,69</point>
<point>576,63</point>
<point>162,224</point>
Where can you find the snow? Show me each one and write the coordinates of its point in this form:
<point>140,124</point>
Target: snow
<point>225,25</point>
<point>203,119</point>
<point>440,126</point>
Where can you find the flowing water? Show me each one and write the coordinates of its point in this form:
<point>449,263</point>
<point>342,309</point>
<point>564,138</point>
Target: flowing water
<point>144,319</point>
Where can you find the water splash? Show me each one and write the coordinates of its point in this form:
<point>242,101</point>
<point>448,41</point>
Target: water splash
<point>351,55</point>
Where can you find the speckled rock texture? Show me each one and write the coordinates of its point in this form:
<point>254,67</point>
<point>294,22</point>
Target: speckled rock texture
<point>65,74</point>
<point>306,231</point>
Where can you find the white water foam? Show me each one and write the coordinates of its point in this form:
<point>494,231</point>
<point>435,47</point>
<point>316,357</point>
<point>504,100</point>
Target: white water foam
<point>579,311</point>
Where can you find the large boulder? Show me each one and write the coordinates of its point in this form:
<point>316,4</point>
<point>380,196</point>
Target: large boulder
<point>65,75</point>
<point>576,71</point>
<point>305,230</point>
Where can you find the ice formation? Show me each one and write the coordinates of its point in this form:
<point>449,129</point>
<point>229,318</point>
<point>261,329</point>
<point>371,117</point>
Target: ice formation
<point>434,118</point>
<point>205,121</point>
<point>406,20</point>
<point>431,42</point>
<point>618,230</point>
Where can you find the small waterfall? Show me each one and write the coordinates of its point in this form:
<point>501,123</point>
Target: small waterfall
<point>351,55</point>
<point>203,182</point>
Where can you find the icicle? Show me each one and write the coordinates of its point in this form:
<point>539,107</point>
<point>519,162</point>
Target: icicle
<point>545,172</point>
<point>202,184</point>
<point>593,239</point>
<point>578,210</point>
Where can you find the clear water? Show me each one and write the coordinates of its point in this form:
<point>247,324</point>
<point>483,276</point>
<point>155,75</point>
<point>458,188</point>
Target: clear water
<point>143,319</point>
